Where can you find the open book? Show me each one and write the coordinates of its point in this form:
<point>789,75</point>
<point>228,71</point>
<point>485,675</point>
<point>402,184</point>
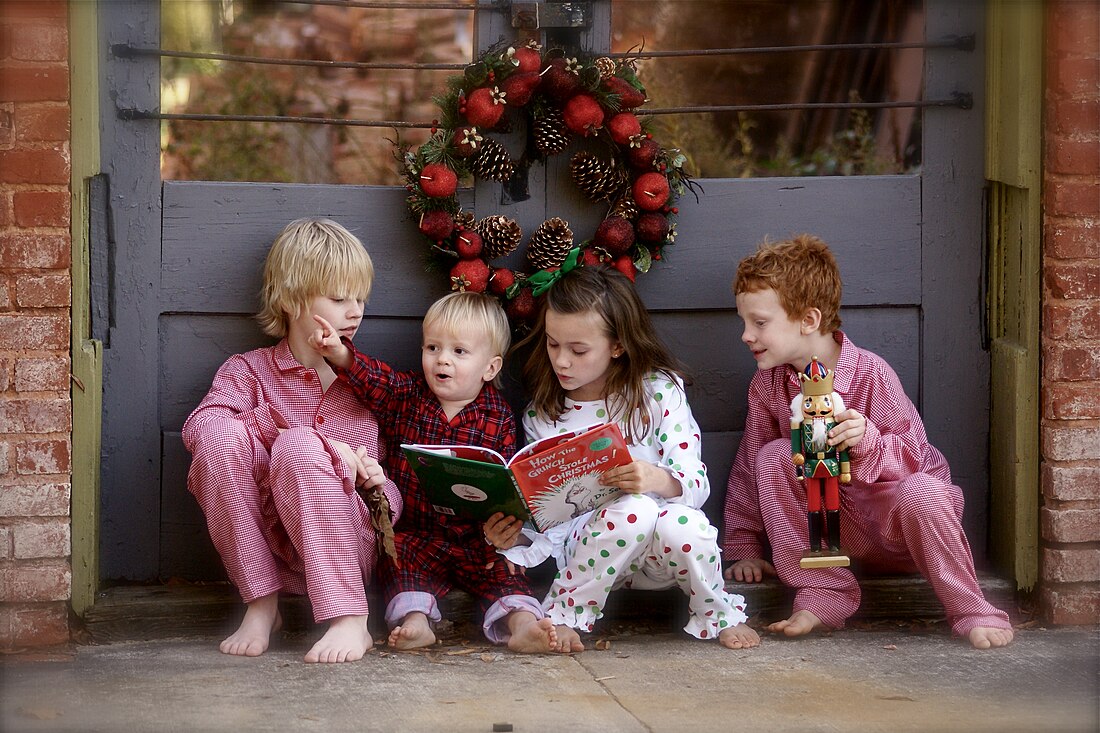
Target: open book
<point>549,481</point>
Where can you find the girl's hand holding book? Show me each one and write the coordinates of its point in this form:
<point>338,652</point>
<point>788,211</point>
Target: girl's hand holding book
<point>642,477</point>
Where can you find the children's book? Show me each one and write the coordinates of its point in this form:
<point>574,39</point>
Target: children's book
<point>549,481</point>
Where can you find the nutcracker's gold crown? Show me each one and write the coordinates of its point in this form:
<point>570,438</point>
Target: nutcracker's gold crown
<point>816,380</point>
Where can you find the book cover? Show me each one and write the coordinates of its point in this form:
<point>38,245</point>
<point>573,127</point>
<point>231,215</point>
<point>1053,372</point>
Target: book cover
<point>549,481</point>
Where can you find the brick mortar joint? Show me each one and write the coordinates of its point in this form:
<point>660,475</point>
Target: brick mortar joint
<point>1084,546</point>
<point>1053,504</point>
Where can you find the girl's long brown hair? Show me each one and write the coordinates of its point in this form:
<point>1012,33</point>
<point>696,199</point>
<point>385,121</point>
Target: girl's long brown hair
<point>610,294</point>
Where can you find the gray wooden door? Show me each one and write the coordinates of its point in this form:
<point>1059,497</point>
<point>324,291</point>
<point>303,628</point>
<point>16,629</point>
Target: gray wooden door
<point>181,266</point>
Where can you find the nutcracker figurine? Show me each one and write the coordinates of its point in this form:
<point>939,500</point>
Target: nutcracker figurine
<point>818,464</point>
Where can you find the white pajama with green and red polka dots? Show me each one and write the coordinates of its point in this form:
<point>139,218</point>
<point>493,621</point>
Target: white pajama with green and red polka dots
<point>638,540</point>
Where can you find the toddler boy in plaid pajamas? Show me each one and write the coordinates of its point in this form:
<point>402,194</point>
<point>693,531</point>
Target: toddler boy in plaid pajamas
<point>453,401</point>
<point>901,512</point>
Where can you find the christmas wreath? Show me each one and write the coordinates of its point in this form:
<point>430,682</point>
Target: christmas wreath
<point>561,99</point>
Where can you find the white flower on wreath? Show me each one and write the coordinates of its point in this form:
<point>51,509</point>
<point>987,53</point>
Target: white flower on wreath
<point>471,137</point>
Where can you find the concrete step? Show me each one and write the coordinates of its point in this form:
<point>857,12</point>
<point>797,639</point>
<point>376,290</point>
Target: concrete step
<point>186,610</point>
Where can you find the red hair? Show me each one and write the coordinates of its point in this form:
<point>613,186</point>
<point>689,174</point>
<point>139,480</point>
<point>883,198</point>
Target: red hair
<point>803,273</point>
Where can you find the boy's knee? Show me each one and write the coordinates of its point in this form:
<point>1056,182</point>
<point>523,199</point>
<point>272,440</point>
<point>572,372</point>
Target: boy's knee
<point>774,459</point>
<point>921,493</point>
<point>297,450</point>
<point>222,442</point>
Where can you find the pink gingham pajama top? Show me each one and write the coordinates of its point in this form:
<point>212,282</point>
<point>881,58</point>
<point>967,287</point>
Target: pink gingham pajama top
<point>281,507</point>
<point>901,513</point>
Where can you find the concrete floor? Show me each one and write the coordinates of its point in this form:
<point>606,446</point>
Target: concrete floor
<point>889,678</point>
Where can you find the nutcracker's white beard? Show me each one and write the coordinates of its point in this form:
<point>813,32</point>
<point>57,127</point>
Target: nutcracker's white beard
<point>817,439</point>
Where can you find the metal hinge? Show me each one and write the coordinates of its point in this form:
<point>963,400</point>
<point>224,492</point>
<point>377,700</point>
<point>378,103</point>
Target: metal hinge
<point>535,15</point>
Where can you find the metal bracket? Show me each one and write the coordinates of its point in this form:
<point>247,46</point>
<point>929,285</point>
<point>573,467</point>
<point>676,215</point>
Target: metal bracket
<point>536,15</point>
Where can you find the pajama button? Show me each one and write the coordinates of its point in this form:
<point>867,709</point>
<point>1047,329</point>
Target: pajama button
<point>320,419</point>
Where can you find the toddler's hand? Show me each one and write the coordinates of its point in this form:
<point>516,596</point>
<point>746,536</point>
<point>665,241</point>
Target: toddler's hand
<point>500,531</point>
<point>849,430</point>
<point>326,341</point>
<point>750,570</point>
<point>513,569</point>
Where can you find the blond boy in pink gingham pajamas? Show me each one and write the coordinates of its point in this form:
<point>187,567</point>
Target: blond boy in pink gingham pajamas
<point>278,446</point>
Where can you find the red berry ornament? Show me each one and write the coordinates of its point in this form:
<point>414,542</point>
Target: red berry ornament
<point>437,225</point>
<point>472,275</point>
<point>651,191</point>
<point>629,95</point>
<point>624,126</point>
<point>592,256</point>
<point>583,114</point>
<point>438,181</point>
<point>519,87</point>
<point>652,227</point>
<point>558,83</point>
<point>468,245</point>
<point>501,280</point>
<point>522,307</point>
<point>529,60</point>
<point>625,265</point>
<point>615,234</point>
<point>483,108</point>
<point>642,157</point>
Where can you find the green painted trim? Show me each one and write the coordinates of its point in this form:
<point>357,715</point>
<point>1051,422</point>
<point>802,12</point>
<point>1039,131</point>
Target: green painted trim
<point>1013,122</point>
<point>87,361</point>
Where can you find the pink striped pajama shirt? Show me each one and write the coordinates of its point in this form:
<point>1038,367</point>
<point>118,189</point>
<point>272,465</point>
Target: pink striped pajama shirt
<point>901,513</point>
<point>281,507</point>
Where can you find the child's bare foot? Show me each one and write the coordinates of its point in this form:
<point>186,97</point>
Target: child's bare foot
<point>530,635</point>
<point>741,636</point>
<point>799,624</point>
<point>261,618</point>
<point>565,640</point>
<point>414,632</point>
<point>988,637</point>
<point>346,640</point>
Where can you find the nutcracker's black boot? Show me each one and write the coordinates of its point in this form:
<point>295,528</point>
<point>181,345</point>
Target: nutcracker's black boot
<point>832,521</point>
<point>813,520</point>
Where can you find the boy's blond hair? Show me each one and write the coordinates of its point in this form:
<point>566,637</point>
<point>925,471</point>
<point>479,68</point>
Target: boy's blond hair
<point>468,311</point>
<point>803,273</point>
<point>311,257</point>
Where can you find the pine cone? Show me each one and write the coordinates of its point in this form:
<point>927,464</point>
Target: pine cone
<point>551,134</point>
<point>626,207</point>
<point>464,219</point>
<point>599,180</point>
<point>550,244</point>
<point>499,236</point>
<point>493,162</point>
<point>606,67</point>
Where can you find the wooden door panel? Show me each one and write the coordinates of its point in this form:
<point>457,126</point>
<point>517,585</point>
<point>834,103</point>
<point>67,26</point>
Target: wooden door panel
<point>216,236</point>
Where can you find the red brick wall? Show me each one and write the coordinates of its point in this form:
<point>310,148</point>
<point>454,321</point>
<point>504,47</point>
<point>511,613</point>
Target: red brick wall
<point>35,294</point>
<point>1070,427</point>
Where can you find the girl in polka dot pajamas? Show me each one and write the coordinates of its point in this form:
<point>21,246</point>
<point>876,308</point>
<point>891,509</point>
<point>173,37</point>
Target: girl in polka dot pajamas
<point>596,359</point>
